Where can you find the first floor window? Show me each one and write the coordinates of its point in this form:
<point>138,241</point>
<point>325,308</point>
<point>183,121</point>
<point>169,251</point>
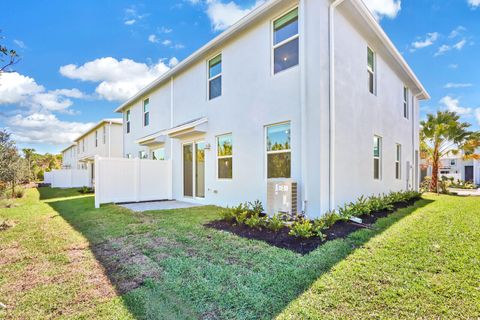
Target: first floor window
<point>285,41</point>
<point>142,155</point>
<point>398,161</point>
<point>129,156</point>
<point>377,157</point>
<point>225,156</point>
<point>453,162</point>
<point>279,155</point>
<point>127,120</point>
<point>158,154</point>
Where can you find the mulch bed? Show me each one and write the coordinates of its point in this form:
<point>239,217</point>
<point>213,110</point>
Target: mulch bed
<point>282,239</point>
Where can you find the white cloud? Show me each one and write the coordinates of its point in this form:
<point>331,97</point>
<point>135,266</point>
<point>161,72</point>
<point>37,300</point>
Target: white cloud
<point>384,8</point>
<point>167,43</point>
<point>457,31</point>
<point>153,38</point>
<point>45,128</point>
<point>429,40</point>
<point>477,115</point>
<point>453,66</point>
<point>452,85</point>
<point>173,62</point>
<point>130,22</point>
<point>459,45</point>
<point>132,16</point>
<point>474,3</point>
<point>164,30</point>
<point>223,15</point>
<point>453,105</point>
<point>442,50</point>
<point>118,80</point>
<point>20,44</point>
<point>24,91</point>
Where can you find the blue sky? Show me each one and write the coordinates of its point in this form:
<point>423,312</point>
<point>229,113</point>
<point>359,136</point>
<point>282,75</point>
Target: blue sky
<point>81,59</point>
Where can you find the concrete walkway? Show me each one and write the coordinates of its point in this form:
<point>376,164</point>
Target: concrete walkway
<point>159,205</point>
<point>466,192</point>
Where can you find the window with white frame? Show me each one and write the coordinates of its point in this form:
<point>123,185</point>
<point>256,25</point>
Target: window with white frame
<point>377,157</point>
<point>83,145</point>
<point>158,154</point>
<point>129,156</point>
<point>146,112</point>
<point>104,135</point>
<point>96,138</point>
<point>127,120</point>
<point>371,63</point>
<point>405,102</point>
<point>225,156</point>
<point>285,41</point>
<point>142,155</point>
<point>215,77</point>
<point>279,155</point>
<point>398,161</point>
<point>453,162</point>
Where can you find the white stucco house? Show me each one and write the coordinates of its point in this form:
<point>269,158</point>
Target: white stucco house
<point>310,91</point>
<point>105,139</point>
<point>455,166</point>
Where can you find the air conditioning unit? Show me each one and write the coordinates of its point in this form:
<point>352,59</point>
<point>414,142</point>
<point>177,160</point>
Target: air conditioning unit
<point>282,197</point>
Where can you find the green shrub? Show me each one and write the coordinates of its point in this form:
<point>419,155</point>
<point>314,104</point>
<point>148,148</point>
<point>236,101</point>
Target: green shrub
<point>86,190</point>
<point>255,207</point>
<point>241,217</point>
<point>379,203</point>
<point>360,207</point>
<point>275,223</point>
<point>18,193</point>
<point>302,229</point>
<point>227,215</point>
<point>256,221</point>
<point>345,212</point>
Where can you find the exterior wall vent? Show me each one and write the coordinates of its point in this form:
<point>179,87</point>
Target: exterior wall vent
<point>282,197</point>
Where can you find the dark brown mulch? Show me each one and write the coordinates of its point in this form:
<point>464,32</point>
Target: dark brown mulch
<point>282,239</point>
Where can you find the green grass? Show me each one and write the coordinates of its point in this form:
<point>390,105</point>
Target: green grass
<point>64,259</point>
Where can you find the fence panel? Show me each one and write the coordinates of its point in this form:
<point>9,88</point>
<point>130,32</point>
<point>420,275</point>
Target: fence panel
<point>70,178</point>
<point>132,180</point>
<point>47,177</point>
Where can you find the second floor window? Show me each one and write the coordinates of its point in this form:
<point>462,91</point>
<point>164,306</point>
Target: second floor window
<point>285,41</point>
<point>405,102</point>
<point>215,77</point>
<point>96,138</point>
<point>371,71</point>
<point>83,145</point>
<point>127,120</point>
<point>279,155</point>
<point>104,135</point>
<point>146,112</point>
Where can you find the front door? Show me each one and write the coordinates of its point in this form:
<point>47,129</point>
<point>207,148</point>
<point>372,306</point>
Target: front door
<point>469,173</point>
<point>194,169</point>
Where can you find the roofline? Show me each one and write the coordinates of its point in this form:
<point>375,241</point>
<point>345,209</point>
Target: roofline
<point>252,16</point>
<point>71,145</point>
<point>373,23</point>
<point>118,121</point>
<point>232,30</point>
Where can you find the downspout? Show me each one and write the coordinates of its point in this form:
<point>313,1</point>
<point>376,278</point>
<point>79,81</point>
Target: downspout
<point>303,106</point>
<point>331,108</point>
<point>415,178</point>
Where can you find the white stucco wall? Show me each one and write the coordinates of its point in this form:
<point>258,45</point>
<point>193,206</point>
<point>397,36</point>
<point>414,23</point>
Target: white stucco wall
<point>252,97</point>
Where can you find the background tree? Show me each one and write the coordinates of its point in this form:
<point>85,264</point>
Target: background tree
<point>443,133</point>
<point>7,58</point>
<point>28,154</point>
<point>13,168</point>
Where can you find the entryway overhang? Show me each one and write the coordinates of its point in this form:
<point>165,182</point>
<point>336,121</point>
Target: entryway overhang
<point>152,140</point>
<point>193,127</point>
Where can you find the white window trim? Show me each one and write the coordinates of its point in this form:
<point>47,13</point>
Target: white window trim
<point>128,126</point>
<point>223,157</point>
<point>265,146</point>
<point>194,172</point>
<point>145,112</point>
<point>398,161</point>
<point>374,71</point>
<point>380,156</point>
<point>406,105</point>
<point>274,46</point>
<point>214,77</point>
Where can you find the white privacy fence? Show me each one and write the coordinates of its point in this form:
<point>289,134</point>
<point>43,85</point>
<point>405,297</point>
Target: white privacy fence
<point>132,180</point>
<point>70,178</point>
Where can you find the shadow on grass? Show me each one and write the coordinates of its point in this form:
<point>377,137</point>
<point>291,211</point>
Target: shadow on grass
<point>167,265</point>
<point>47,193</point>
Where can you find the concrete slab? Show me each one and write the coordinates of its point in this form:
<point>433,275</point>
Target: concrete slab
<point>159,205</point>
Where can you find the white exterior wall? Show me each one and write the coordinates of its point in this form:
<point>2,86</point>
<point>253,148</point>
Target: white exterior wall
<point>112,147</point>
<point>253,97</point>
<point>69,158</point>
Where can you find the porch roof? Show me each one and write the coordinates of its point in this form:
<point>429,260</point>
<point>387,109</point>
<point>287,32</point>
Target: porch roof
<point>189,127</point>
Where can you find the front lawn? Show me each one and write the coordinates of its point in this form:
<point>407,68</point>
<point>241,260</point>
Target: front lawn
<point>62,258</point>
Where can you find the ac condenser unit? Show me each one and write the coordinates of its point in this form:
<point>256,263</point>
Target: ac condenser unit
<point>282,197</point>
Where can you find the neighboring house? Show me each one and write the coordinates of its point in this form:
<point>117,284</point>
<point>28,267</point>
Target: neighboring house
<point>458,168</point>
<point>105,139</point>
<point>69,157</point>
<point>303,90</point>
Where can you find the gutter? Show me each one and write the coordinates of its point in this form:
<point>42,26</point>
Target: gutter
<point>331,107</point>
<point>303,105</point>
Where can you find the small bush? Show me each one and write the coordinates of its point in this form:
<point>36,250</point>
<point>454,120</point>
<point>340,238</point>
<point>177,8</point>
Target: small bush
<point>86,190</point>
<point>18,193</point>
<point>227,215</point>
<point>275,223</point>
<point>379,203</point>
<point>256,221</point>
<point>241,217</point>
<point>255,207</point>
<point>302,229</point>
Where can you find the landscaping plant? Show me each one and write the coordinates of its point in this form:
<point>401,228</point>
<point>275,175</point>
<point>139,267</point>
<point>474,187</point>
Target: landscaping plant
<point>302,229</point>
<point>275,223</point>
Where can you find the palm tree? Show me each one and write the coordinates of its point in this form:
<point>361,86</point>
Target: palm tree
<point>28,155</point>
<point>441,134</point>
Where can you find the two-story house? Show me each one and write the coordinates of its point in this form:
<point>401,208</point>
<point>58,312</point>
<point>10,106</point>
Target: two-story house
<point>105,139</point>
<point>309,90</point>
